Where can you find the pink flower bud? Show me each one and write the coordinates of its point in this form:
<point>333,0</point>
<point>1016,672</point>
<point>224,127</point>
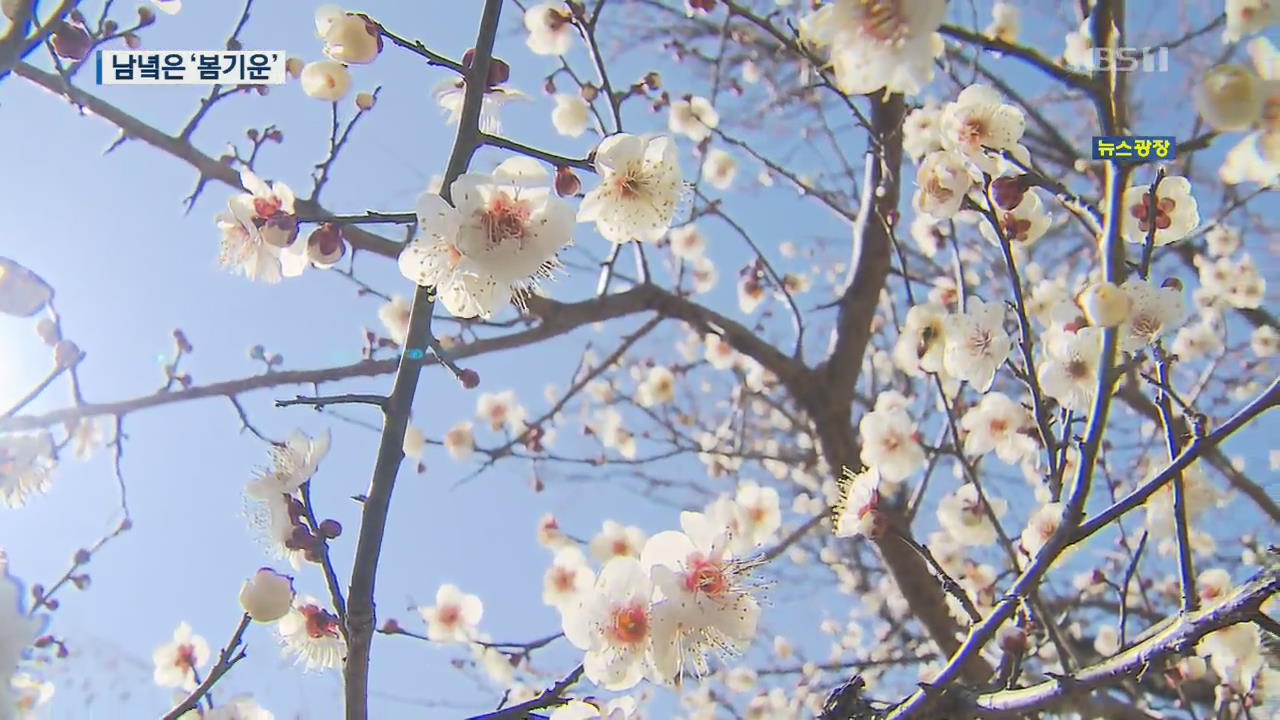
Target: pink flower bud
<point>567,182</point>
<point>469,378</point>
<point>325,246</point>
<point>71,42</point>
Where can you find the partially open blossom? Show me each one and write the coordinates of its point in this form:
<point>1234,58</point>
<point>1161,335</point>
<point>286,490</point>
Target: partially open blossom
<point>964,515</point>
<point>920,131</point>
<point>875,44</point>
<point>451,94</point>
<point>71,41</point>
<point>719,168</point>
<point>1021,226</point>
<point>942,182</point>
<point>326,80</point>
<point>177,662</point>
<point>761,513</point>
<point>1229,98</point>
<point>612,623</point>
<point>1173,217</point>
<point>348,37</point>
<point>1069,373</point>
<point>658,387</point>
<point>1040,528</point>
<point>312,635</point>
<point>980,118</point>
<point>571,115</point>
<point>500,410</point>
<point>1005,22</point>
<point>706,601</point>
<point>976,343</point>
<point>496,242</point>
<point>267,596</point>
<point>693,117</point>
<point>460,441</point>
<point>857,511</point>
<point>567,579</point>
<point>454,617</point>
<point>687,242</point>
<point>921,341</point>
<point>550,26</point>
<point>640,188</point>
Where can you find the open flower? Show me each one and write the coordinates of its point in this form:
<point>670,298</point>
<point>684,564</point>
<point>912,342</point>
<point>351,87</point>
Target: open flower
<point>998,423</point>
<point>1070,372</point>
<point>857,511</point>
<point>450,95</point>
<point>454,617</point>
<point>976,343</point>
<point>693,117</point>
<point>1247,17</point>
<point>761,512</point>
<point>550,26</point>
<point>875,44</point>
<point>980,118</point>
<point>312,635</point>
<point>567,578</point>
<point>1022,225</point>
<point>1153,311</point>
<point>26,463</point>
<point>658,388</point>
<point>612,623</point>
<point>964,515</point>
<point>571,115</point>
<point>920,344</point>
<point>1043,523</point>
<point>1005,22</point>
<point>889,443</point>
<point>719,168</point>
<point>176,662</point>
<point>1173,217</point>
<point>616,540</point>
<point>920,131</point>
<point>259,231</point>
<point>943,181</point>
<point>500,410</point>
<point>275,509</point>
<point>460,441</point>
<point>640,188</point>
<point>706,602</point>
<point>499,238</point>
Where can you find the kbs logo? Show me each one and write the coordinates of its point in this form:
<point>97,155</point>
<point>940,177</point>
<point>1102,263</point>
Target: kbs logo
<point>1131,59</point>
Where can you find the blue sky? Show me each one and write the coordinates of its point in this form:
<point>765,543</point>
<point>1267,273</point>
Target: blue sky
<point>109,233</point>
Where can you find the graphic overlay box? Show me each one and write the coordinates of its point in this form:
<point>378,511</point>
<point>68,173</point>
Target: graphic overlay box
<point>191,67</point>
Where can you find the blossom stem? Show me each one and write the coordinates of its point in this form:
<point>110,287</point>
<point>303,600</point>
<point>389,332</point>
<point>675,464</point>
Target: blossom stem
<point>547,157</point>
<point>550,697</point>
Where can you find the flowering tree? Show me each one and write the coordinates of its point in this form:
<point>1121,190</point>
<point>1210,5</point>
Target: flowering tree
<point>1099,326</point>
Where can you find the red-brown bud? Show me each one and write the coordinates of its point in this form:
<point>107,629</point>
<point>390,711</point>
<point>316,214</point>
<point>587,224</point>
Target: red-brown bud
<point>469,378</point>
<point>325,246</point>
<point>567,183</point>
<point>71,42</point>
<point>1007,192</point>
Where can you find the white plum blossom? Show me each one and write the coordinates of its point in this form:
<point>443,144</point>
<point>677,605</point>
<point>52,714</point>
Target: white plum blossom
<point>750,293</point>
<point>878,44</point>
<point>719,353</point>
<point>26,464</point>
<point>1248,17</point>
<point>327,80</point>
<point>612,623</point>
<point>499,238</point>
<point>1022,225</point>
<point>761,513</point>
<point>719,168</point>
<point>976,343</point>
<point>980,118</point>
<point>616,540</point>
<point>1222,240</point>
<point>1069,373</point>
<point>238,708</point>
<point>567,579</point>
<point>1265,341</point>
<point>550,26</point>
<point>1229,98</point>
<point>694,117</point>
<point>259,232</point>
<point>890,443</point>
<point>1043,523</point>
<point>1197,340</point>
<point>272,492</point>
<point>1153,311</point>
<point>920,344</point>
<point>312,635</point>
<point>658,387</point>
<point>706,601</point>
<point>964,515</point>
<point>348,37</point>
<point>1005,22</point>
<point>1175,213</point>
<point>1233,282</point>
<point>571,115</point>
<point>857,510</point>
<point>943,181</point>
<point>687,242</point>
<point>1079,46</point>
<point>705,275</point>
<point>1000,424</point>
<point>29,695</point>
<point>394,316</point>
<point>640,188</point>
<point>920,131</point>
<point>460,441</point>
<point>451,95</point>
<point>454,617</point>
<point>267,595</point>
<point>177,662</point>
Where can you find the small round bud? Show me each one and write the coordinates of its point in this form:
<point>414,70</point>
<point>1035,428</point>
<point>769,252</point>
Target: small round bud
<point>267,595</point>
<point>590,92</point>
<point>468,57</point>
<point>71,41</point>
<point>330,528</point>
<point>469,378</point>
<point>66,353</point>
<point>352,38</point>
<point>1105,304</point>
<point>653,81</point>
<point>109,27</point>
<point>549,87</point>
<point>257,352</point>
<point>275,136</point>
<point>326,80</point>
<point>294,66</point>
<point>391,627</point>
<point>146,16</point>
<point>325,246</point>
<point>567,182</point>
<point>180,339</point>
<point>499,72</point>
<point>1012,639</point>
<point>365,101</point>
<point>48,331</point>
<point>132,41</point>
<point>280,230</point>
<point>82,557</point>
<point>252,134</point>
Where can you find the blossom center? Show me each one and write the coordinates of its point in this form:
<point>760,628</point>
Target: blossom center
<point>1161,218</point>
<point>883,19</point>
<point>1077,369</point>
<point>449,615</point>
<point>628,624</point>
<point>185,658</point>
<point>705,576</point>
<point>506,219</point>
<point>319,622</point>
<point>266,207</point>
<point>620,547</point>
<point>980,342</point>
